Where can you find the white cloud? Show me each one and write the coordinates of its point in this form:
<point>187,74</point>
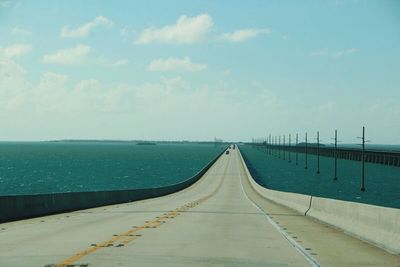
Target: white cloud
<point>227,72</point>
<point>21,31</point>
<point>319,53</point>
<point>186,30</point>
<point>80,55</point>
<point>175,64</point>
<point>52,78</point>
<point>72,56</point>
<point>243,34</point>
<point>344,52</point>
<point>85,29</point>
<point>325,52</point>
<point>105,62</point>
<point>5,4</point>
<point>15,50</point>
<point>126,33</point>
<point>118,63</point>
<point>13,87</point>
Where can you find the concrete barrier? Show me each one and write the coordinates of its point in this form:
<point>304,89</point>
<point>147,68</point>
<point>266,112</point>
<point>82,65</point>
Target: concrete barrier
<point>297,202</point>
<point>379,226</point>
<point>16,207</point>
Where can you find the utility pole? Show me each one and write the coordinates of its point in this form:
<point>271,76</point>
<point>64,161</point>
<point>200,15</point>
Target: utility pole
<point>335,152</point>
<point>363,160</point>
<point>265,144</point>
<point>306,167</point>
<point>274,141</point>
<point>290,159</point>
<point>318,171</point>
<point>279,147</point>
<point>284,152</point>
<point>269,144</point>
<point>297,152</point>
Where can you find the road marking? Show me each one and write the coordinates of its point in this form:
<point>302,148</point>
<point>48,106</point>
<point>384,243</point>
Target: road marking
<point>125,236</point>
<point>313,262</point>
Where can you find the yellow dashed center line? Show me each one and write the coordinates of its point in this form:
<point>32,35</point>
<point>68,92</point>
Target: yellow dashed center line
<point>127,237</point>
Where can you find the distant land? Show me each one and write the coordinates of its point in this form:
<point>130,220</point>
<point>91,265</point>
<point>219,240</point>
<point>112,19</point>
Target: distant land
<point>146,144</point>
<point>139,142</point>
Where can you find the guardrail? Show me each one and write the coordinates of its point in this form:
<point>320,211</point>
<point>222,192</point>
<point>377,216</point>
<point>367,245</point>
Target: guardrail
<point>16,207</point>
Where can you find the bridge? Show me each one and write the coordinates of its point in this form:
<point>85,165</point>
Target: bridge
<point>220,220</point>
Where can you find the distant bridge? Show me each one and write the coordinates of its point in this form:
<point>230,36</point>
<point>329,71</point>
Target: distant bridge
<point>390,158</point>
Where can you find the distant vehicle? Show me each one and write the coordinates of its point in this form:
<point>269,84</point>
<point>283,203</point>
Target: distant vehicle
<point>227,152</point>
<point>233,146</point>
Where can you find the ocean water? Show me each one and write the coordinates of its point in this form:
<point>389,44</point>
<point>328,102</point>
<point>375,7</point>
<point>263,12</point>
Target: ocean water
<point>46,167</point>
<point>382,182</point>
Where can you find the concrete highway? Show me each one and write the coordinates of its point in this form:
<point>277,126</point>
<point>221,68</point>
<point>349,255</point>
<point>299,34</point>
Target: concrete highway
<point>219,221</point>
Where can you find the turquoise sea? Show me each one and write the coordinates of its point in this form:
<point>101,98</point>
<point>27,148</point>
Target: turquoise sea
<point>382,182</point>
<point>46,167</point>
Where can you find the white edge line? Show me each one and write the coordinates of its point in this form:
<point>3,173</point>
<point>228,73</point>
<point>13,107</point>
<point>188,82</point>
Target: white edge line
<point>293,242</point>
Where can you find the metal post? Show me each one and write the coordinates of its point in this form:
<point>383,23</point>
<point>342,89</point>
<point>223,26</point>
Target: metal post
<point>335,169</point>
<point>279,147</point>
<point>290,159</point>
<point>273,140</point>
<point>269,147</point>
<point>306,167</point>
<point>318,171</point>
<point>265,145</point>
<point>297,152</point>
<point>283,150</point>
<point>363,161</point>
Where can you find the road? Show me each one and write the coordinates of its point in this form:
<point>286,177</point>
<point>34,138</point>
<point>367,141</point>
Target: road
<point>219,221</point>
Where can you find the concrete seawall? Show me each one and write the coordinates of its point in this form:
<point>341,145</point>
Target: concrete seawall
<point>16,207</point>
<point>379,226</point>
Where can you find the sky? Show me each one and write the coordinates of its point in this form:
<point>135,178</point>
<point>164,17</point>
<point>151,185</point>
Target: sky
<point>195,70</point>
